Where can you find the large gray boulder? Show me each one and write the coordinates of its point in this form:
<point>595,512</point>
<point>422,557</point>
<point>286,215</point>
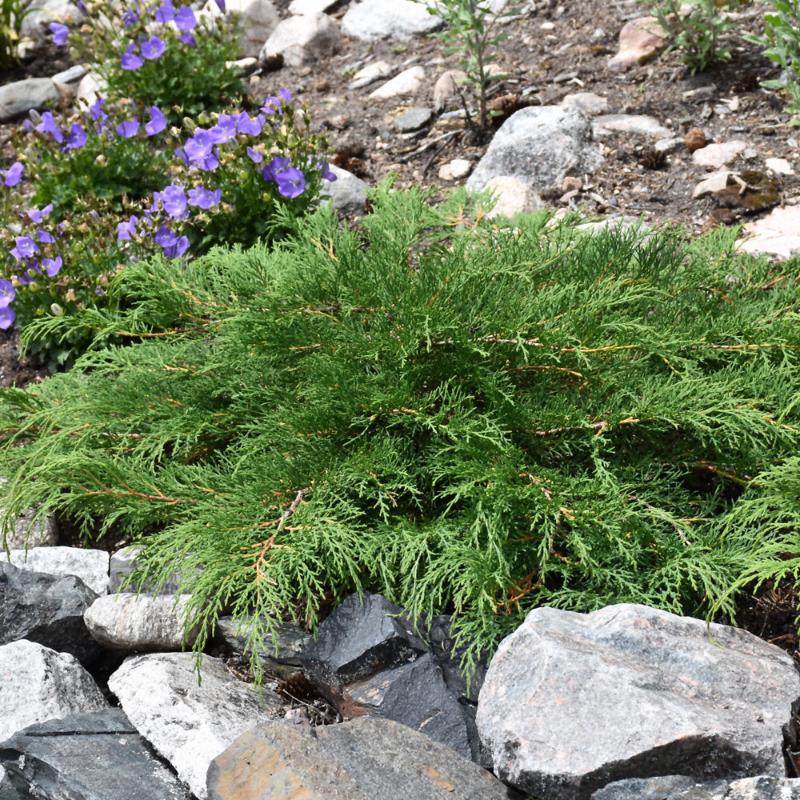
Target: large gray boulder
<point>572,702</point>
<point>379,19</point>
<point>20,97</point>
<point>679,787</point>
<point>96,756</point>
<point>91,566</point>
<point>46,609</point>
<point>306,37</point>
<point>189,716</point>
<point>37,684</point>
<point>140,622</point>
<point>366,759</point>
<point>539,146</point>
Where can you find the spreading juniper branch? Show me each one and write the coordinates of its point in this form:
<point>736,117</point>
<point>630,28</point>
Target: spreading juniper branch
<point>472,418</point>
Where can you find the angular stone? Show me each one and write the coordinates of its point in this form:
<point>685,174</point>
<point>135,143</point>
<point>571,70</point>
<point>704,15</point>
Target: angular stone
<point>587,103</point>
<point>639,41</point>
<point>91,566</point>
<point>414,695</point>
<point>511,196</point>
<point>379,19</point>
<point>465,687</point>
<point>679,787</point>
<point>539,146</point>
<point>348,193</point>
<point>20,97</point>
<point>46,609</point>
<point>36,684</point>
<point>777,234</point>
<point>189,716</point>
<point>358,640</point>
<point>366,759</point>
<point>635,124</point>
<point>284,659</point>
<point>97,756</point>
<point>718,155</point>
<point>407,82</point>
<point>303,38</point>
<point>572,702</point>
<point>140,622</point>
<point>413,119</point>
<point>258,19</point>
<point>371,73</point>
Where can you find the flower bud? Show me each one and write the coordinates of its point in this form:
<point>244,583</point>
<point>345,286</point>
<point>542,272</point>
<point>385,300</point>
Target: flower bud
<point>56,310</point>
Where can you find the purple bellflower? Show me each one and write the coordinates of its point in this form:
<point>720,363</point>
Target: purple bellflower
<point>174,246</point>
<point>7,293</point>
<point>38,215</point>
<point>25,248</point>
<point>153,48</point>
<point>13,175</point>
<point>185,19</point>
<point>156,123</point>
<point>76,138</point>
<point>204,198</point>
<point>48,127</point>
<point>291,183</point>
<point>129,128</point>
<point>60,33</point>
<point>131,60</point>
<point>127,230</point>
<point>7,317</point>
<point>173,200</point>
<point>52,266</point>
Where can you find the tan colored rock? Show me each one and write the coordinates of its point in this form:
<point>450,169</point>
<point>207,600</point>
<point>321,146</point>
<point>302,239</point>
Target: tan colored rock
<point>445,90</point>
<point>777,234</point>
<point>715,156</point>
<point>512,196</point>
<point>407,82</point>
<point>640,40</point>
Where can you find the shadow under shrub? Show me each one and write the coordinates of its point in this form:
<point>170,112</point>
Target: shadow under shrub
<point>467,417</point>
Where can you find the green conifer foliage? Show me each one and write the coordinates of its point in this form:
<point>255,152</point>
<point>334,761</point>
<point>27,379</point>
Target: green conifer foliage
<point>467,416</point>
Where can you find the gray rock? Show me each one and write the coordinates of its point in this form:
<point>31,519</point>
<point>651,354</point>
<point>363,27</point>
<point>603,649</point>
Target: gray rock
<point>347,193</point>
<point>310,6</point>
<point>413,119</point>
<point>140,622</point>
<point>371,73</point>
<point>447,87</point>
<point>42,12</point>
<point>539,146</point>
<point>679,787</point>
<point>95,756</point>
<point>366,759</point>
<point>20,97</point>
<point>378,19</point>
<point>91,566</point>
<point>414,695</point>
<point>407,83</point>
<point>511,196</point>
<point>714,156</point>
<point>258,19</point>
<point>464,686</point>
<point>360,639</point>
<point>30,532</point>
<point>124,563</point>
<point>633,124</point>
<point>587,103</point>
<point>48,610</point>
<point>303,38</point>
<point>71,75</point>
<point>572,702</point>
<point>36,684</point>
<point>189,716</point>
<point>283,658</point>
<point>89,88</point>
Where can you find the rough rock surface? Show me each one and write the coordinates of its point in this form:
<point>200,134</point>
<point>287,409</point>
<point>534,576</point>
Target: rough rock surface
<point>124,563</point>
<point>379,19</point>
<point>29,533</point>
<point>777,234</point>
<point>46,609</point>
<point>360,639</point>
<point>629,691</point>
<point>679,787</point>
<point>347,193</point>
<point>21,97</point>
<point>258,19</point>
<point>539,146</point>
<point>97,756</point>
<point>366,759</point>
<point>36,684</point>
<point>139,622</point>
<point>303,38</point>
<point>91,566</point>
<point>188,722</point>
<point>639,41</point>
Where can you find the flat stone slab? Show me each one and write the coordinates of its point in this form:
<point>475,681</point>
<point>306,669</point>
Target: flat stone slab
<point>572,702</point>
<point>366,759</point>
<point>37,684</point>
<point>189,716</point>
<point>379,19</point>
<point>20,97</point>
<point>91,566</point>
<point>632,124</point>
<point>97,756</point>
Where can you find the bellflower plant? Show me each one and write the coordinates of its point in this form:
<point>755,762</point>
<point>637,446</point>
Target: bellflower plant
<point>158,53</point>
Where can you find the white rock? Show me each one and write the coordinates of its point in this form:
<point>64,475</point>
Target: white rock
<point>188,717</point>
<point>714,183</point>
<point>669,145</point>
<point>780,166</point>
<point>91,566</point>
<point>588,103</point>
<point>244,66</point>
<point>303,38</point>
<point>348,193</point>
<point>71,75</point>
<point>455,170</point>
<point>42,12</point>
<point>511,196</point>
<point>635,124</point>
<point>20,97</point>
<point>447,87</point>
<point>371,73</point>
<point>37,684</point>
<point>718,155</point>
<point>139,622</point>
<point>258,19</point>
<point>379,19</point>
<point>640,40</point>
<point>777,234</point>
<point>90,87</point>
<point>407,82</point>
<point>310,6</point>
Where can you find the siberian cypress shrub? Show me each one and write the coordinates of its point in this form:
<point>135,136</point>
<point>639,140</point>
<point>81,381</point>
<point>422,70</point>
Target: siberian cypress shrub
<point>467,416</point>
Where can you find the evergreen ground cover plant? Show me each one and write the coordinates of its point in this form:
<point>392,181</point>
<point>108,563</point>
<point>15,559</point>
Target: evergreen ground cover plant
<point>469,417</point>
